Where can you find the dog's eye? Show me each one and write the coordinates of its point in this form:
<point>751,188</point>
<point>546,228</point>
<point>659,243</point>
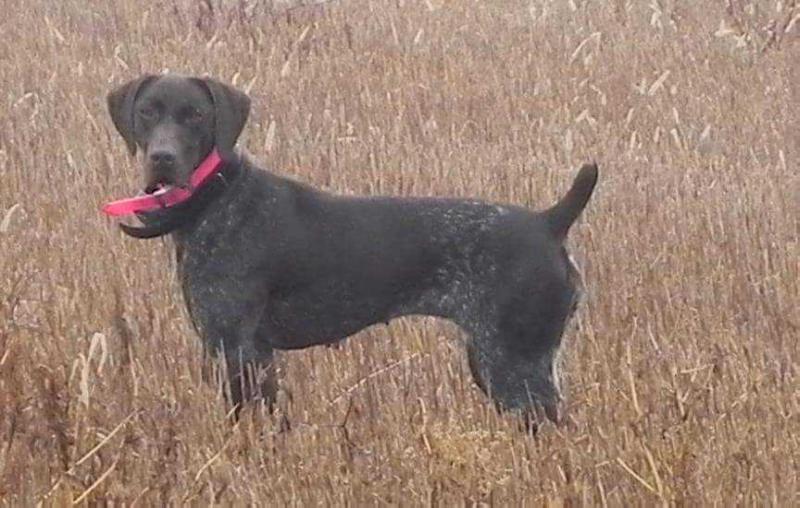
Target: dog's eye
<point>147,112</point>
<point>193,116</point>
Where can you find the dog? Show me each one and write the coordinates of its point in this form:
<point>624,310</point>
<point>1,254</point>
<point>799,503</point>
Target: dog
<point>267,263</point>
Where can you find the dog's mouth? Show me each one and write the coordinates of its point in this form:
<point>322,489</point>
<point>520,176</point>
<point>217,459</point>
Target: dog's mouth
<point>157,188</point>
<point>161,186</point>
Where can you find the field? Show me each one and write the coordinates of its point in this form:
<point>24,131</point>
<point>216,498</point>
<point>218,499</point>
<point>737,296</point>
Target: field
<point>683,365</point>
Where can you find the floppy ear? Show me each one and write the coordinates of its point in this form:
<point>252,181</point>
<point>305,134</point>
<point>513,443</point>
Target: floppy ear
<point>120,106</point>
<point>231,108</point>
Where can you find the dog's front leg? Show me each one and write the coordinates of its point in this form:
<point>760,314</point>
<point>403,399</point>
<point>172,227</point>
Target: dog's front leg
<point>230,324</point>
<point>251,376</point>
<point>248,366</point>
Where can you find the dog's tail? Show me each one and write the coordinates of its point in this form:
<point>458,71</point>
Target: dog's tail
<point>561,217</point>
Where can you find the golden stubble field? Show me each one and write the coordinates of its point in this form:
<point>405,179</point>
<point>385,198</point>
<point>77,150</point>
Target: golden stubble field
<point>682,372</point>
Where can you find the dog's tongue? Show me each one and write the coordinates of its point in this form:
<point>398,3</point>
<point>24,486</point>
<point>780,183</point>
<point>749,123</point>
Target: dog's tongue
<point>163,197</point>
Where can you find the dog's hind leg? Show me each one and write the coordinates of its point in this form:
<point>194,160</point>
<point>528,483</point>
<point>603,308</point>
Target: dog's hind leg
<point>514,361</point>
<point>524,383</point>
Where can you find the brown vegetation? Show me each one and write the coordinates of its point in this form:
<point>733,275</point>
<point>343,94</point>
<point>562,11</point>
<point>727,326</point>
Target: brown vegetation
<point>683,369</point>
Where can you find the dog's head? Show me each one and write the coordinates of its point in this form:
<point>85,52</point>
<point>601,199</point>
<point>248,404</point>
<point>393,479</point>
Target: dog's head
<point>177,121</point>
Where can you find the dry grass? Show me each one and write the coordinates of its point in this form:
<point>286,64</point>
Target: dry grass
<point>682,374</point>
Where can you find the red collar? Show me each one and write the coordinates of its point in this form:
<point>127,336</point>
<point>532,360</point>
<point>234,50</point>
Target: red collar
<point>169,197</point>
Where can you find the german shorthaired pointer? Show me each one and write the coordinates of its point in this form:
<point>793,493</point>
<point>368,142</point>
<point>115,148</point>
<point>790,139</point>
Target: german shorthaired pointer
<point>268,263</point>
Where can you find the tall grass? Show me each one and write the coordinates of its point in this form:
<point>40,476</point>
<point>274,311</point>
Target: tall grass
<point>682,369</point>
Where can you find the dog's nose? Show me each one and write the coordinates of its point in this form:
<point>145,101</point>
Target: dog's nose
<point>162,158</point>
